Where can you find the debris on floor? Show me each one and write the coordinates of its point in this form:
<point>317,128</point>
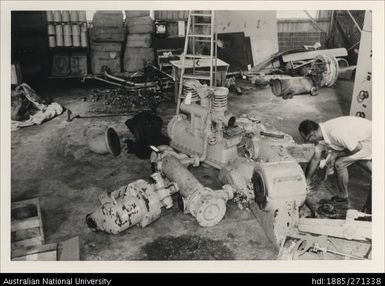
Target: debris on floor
<point>28,108</point>
<point>349,238</point>
<point>121,100</point>
<point>187,247</point>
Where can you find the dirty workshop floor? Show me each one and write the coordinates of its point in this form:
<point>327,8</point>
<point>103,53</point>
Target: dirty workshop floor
<point>52,161</point>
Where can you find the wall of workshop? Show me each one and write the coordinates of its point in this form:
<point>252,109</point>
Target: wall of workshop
<point>260,26</point>
<point>295,33</point>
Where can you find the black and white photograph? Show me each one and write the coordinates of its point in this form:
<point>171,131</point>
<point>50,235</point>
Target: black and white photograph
<point>193,133</point>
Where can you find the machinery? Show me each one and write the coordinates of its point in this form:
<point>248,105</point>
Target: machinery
<point>140,202</point>
<point>199,130</point>
<point>260,164</point>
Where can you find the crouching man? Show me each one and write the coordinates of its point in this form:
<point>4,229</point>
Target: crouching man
<point>350,140</point>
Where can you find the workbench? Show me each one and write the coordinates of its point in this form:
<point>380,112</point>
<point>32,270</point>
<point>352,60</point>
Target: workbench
<point>202,66</point>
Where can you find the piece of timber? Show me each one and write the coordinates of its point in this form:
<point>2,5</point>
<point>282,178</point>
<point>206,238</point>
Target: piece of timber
<point>340,52</point>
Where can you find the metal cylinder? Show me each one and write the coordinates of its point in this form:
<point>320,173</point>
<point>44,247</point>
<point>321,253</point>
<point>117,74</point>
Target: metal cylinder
<point>57,16</point>
<point>76,35</point>
<point>49,15</point>
<point>59,35</point>
<point>52,41</point>
<point>51,30</point>
<point>83,35</point>
<point>74,16</point>
<point>176,172</point>
<point>67,35</point>
<point>219,99</point>
<point>206,205</point>
<point>65,16</point>
<point>82,16</point>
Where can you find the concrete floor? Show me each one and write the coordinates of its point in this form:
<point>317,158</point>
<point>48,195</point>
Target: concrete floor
<point>53,162</point>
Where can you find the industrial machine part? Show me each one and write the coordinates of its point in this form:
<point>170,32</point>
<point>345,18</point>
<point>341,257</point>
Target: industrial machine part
<point>274,191</point>
<point>349,228</point>
<point>206,205</point>
<point>289,87</point>
<point>138,203</point>
<point>324,70</point>
<point>102,139</point>
<point>200,131</point>
<point>238,174</point>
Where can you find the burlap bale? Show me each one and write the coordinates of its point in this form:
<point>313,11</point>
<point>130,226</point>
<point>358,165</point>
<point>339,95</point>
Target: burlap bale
<point>139,40</point>
<point>108,19</point>
<point>136,58</point>
<point>139,25</point>
<point>107,34</point>
<point>109,59</point>
<point>137,13</point>
<point>106,47</point>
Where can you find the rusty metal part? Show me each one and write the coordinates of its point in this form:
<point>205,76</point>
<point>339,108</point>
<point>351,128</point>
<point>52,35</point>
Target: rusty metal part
<point>138,203</point>
<point>102,139</point>
<point>206,205</point>
<point>287,88</point>
<point>324,70</point>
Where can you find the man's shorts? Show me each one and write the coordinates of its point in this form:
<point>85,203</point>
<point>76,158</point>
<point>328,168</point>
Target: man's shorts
<point>364,154</point>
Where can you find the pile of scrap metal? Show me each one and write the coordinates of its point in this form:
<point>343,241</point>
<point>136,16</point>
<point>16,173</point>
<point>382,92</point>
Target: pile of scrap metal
<point>114,100</point>
<point>28,108</point>
<point>149,79</point>
<point>299,71</point>
<point>259,169</point>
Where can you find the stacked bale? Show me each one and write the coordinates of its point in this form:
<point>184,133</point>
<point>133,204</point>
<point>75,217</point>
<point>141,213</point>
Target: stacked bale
<point>138,50</point>
<point>107,35</point>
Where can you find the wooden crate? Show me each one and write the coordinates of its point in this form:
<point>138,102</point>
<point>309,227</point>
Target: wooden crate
<point>26,224</point>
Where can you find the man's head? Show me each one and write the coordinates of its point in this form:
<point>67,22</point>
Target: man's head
<point>310,131</point>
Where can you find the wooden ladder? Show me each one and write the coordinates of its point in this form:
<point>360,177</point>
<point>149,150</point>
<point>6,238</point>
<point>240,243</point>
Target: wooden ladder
<point>197,37</point>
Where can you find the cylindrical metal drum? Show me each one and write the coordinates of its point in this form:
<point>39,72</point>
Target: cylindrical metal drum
<point>57,16</point>
<point>83,36</point>
<point>65,16</point>
<point>74,16</point>
<point>49,16</point>
<point>59,35</point>
<point>76,35</point>
<point>52,41</point>
<point>51,30</point>
<point>67,36</point>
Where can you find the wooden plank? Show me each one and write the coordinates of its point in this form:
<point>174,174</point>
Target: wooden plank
<point>25,234</point>
<point>340,52</point>
<point>39,240</point>
<point>34,201</point>
<point>45,256</point>
<point>25,251</point>
<point>69,250</point>
<point>26,223</point>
